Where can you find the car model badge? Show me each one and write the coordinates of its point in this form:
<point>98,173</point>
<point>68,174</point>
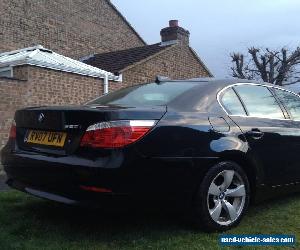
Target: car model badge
<point>41,118</point>
<point>72,126</point>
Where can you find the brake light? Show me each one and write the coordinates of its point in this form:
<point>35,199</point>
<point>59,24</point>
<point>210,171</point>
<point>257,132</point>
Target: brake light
<point>95,189</point>
<point>13,131</point>
<point>115,134</point>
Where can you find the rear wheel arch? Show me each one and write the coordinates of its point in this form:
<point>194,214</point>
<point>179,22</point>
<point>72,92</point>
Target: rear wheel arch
<point>201,214</point>
<point>247,165</point>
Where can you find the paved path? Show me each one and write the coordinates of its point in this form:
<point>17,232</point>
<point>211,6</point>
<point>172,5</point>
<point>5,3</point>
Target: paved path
<point>3,186</point>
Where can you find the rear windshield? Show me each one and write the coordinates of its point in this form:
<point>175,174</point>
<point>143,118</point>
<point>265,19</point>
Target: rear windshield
<point>152,94</point>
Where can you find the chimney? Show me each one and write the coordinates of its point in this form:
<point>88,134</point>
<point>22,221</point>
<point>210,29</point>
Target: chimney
<point>174,33</point>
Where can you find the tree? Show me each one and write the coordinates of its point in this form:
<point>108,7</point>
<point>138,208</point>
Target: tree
<point>276,67</point>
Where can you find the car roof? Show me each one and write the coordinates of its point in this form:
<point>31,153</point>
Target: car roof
<point>207,89</point>
<point>219,82</point>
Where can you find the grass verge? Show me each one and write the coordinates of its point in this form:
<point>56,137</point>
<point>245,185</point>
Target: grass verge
<point>31,223</point>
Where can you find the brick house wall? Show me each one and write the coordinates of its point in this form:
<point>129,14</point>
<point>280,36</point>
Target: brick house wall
<point>10,99</point>
<point>77,28</point>
<point>41,86</point>
<point>176,62</point>
<point>74,28</point>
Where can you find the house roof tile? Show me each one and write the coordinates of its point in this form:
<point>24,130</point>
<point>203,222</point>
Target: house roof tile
<point>118,60</point>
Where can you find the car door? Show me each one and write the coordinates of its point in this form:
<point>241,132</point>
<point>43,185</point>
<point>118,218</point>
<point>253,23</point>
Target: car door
<point>291,101</point>
<point>264,123</point>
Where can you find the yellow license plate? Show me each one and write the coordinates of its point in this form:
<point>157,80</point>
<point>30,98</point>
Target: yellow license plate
<point>46,138</point>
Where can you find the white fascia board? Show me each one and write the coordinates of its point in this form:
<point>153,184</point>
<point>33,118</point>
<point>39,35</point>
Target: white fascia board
<point>35,57</point>
<point>22,50</point>
<point>119,78</point>
<point>32,62</point>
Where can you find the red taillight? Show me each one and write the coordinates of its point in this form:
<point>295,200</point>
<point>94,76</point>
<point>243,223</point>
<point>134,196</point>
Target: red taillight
<point>115,134</point>
<point>96,189</point>
<point>13,131</point>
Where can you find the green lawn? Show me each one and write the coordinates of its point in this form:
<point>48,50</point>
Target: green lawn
<point>30,223</point>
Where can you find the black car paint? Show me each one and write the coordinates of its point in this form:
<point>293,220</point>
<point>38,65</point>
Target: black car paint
<point>274,149</point>
<point>192,134</point>
<point>79,117</point>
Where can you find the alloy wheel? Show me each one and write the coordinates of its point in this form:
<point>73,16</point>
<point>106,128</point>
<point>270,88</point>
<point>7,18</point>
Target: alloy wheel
<point>226,197</point>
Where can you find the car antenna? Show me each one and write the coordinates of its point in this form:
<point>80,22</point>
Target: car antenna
<point>159,79</point>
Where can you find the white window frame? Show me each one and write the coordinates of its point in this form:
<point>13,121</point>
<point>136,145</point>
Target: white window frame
<point>3,69</point>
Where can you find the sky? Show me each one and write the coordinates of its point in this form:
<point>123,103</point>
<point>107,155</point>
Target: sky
<point>219,27</point>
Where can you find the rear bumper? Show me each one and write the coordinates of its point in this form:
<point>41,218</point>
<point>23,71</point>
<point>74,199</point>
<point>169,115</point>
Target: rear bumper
<point>64,175</point>
<point>41,194</point>
<point>146,180</point>
<point>83,200</point>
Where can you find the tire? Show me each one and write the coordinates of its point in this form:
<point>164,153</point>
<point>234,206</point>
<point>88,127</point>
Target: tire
<point>217,205</point>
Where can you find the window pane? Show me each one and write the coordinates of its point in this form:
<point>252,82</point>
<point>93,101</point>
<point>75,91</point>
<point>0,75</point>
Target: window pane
<point>146,95</point>
<point>232,103</point>
<point>291,101</point>
<point>5,73</point>
<point>259,101</point>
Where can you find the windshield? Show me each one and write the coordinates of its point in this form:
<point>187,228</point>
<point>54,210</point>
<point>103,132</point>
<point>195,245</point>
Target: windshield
<point>152,94</point>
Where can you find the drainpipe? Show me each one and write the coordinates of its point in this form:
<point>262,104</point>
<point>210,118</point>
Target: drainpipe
<point>105,84</point>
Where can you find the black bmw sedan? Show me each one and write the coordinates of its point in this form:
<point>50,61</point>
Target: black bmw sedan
<point>206,145</point>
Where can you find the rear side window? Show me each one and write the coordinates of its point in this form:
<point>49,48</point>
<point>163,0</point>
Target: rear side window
<point>231,103</point>
<point>290,101</point>
<point>259,101</point>
<point>152,94</point>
